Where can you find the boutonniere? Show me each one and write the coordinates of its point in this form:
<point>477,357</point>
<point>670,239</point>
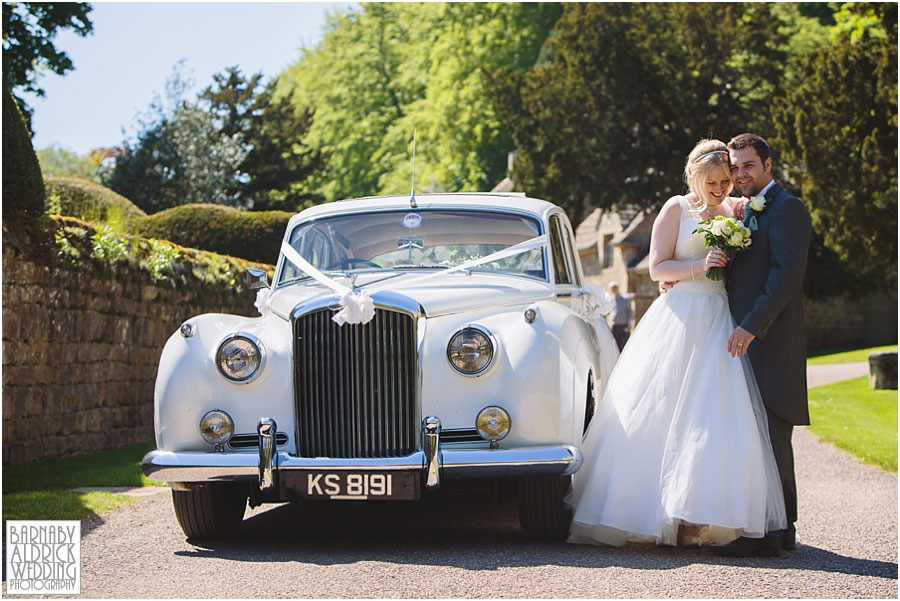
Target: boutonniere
<point>757,204</point>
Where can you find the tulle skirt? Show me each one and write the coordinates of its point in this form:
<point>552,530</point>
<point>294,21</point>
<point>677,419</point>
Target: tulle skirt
<point>679,436</point>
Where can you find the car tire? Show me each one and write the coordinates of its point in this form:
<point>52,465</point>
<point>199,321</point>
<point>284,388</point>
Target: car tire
<point>543,513</point>
<point>210,510</point>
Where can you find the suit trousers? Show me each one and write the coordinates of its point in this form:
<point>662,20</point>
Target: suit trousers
<point>780,432</point>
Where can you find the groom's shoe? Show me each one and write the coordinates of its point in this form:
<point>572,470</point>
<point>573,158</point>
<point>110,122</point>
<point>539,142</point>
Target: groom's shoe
<point>789,538</point>
<point>767,546</point>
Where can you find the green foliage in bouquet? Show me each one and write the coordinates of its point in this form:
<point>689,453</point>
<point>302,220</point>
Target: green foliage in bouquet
<point>726,234</point>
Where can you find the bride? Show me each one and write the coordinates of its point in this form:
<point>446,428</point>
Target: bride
<point>678,451</point>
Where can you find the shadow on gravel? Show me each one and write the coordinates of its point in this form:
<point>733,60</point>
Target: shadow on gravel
<point>475,533</point>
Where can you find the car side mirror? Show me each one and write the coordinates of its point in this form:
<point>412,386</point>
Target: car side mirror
<point>256,279</point>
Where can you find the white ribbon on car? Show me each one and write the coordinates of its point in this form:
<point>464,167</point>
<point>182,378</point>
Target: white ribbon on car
<point>357,305</point>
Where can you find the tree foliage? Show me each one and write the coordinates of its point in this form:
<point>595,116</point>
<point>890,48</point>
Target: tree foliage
<point>28,32</point>
<point>386,70</point>
<point>23,186</point>
<point>61,162</point>
<point>627,91</point>
<point>278,161</point>
<point>838,131</point>
<point>179,155</point>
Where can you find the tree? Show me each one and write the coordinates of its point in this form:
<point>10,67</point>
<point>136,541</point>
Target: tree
<point>28,32</point>
<point>838,132</point>
<point>178,156</point>
<point>628,89</point>
<point>277,162</point>
<point>23,186</point>
<point>56,161</point>
<point>386,70</point>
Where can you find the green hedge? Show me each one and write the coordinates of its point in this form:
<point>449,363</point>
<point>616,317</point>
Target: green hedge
<point>90,201</point>
<point>23,188</point>
<point>252,235</point>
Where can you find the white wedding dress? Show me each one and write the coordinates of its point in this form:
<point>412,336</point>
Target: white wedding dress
<point>680,433</point>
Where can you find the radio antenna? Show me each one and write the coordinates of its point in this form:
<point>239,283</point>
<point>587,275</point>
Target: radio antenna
<point>412,194</point>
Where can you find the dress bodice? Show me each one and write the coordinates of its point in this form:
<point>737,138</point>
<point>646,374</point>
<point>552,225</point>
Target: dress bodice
<point>690,246</point>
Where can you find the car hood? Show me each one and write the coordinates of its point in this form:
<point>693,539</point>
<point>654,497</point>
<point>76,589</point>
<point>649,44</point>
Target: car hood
<point>450,293</point>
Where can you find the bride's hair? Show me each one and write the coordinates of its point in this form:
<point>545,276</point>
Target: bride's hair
<point>705,155</point>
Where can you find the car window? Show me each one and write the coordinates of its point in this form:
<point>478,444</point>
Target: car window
<point>416,239</point>
<point>561,257</point>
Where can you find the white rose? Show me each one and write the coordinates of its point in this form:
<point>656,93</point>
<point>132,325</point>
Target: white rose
<point>717,227</point>
<point>736,240</point>
<point>758,203</point>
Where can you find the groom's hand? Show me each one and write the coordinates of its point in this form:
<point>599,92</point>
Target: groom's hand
<point>666,286</point>
<point>739,341</point>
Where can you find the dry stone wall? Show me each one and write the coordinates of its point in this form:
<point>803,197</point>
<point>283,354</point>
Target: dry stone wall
<point>80,351</point>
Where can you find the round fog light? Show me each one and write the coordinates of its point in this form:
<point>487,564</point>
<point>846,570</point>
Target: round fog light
<point>492,423</point>
<point>216,427</point>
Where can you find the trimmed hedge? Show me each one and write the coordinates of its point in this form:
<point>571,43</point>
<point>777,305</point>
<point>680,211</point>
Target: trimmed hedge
<point>23,188</point>
<point>252,235</point>
<point>90,201</point>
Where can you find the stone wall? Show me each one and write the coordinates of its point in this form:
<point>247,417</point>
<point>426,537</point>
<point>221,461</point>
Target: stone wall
<point>843,322</point>
<point>80,350</point>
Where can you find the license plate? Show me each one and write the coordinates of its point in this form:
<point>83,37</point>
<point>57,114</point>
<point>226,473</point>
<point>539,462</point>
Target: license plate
<point>358,486</point>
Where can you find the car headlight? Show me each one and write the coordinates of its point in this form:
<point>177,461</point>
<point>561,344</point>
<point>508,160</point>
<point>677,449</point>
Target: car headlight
<point>240,357</point>
<point>492,423</point>
<point>471,350</point>
<point>216,427</point>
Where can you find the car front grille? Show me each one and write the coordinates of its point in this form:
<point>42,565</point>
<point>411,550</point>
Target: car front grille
<point>355,385</point>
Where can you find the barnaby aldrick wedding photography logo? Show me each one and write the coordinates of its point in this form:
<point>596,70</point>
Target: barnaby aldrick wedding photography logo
<point>43,557</point>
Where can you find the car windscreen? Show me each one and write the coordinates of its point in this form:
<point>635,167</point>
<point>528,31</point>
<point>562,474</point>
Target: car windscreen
<point>415,239</point>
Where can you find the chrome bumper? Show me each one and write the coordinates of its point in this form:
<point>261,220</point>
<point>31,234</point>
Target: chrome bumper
<point>434,462</point>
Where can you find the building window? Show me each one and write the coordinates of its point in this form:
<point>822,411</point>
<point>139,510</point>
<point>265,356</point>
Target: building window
<point>607,251</point>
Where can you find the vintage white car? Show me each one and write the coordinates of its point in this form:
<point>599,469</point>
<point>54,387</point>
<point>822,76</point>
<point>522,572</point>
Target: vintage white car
<point>405,342</point>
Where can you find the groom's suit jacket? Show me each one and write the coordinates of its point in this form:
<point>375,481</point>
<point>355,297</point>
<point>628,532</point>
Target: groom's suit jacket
<point>765,292</point>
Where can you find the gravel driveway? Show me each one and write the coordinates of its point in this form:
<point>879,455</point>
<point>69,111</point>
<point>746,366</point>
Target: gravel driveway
<point>464,547</point>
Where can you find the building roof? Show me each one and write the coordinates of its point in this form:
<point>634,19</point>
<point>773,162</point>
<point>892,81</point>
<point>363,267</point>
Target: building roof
<point>586,232</point>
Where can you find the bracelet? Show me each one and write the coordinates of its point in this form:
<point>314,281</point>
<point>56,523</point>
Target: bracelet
<point>692,269</point>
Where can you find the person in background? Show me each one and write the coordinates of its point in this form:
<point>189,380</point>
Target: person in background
<point>621,316</point>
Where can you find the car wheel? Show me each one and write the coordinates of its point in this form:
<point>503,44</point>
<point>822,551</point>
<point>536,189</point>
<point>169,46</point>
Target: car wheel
<point>211,510</point>
<point>542,510</point>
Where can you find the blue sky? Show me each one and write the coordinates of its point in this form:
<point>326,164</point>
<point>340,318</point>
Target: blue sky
<point>135,46</point>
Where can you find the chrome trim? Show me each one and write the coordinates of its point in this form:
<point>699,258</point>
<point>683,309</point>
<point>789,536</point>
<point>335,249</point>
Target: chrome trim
<point>357,387</point>
<point>256,279</point>
<point>431,428</point>
<point>254,340</point>
<point>267,454</point>
<point>383,299</point>
<point>246,441</point>
<point>495,350</point>
<point>167,466</point>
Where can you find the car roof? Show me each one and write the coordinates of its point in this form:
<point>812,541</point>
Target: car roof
<point>465,200</point>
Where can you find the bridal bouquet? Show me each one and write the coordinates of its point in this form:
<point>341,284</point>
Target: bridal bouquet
<point>727,234</point>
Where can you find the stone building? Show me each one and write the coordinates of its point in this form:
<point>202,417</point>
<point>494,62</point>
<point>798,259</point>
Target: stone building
<point>614,246</point>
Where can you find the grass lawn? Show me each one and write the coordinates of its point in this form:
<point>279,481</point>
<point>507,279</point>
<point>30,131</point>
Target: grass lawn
<point>846,356</point>
<point>858,419</point>
<point>42,490</point>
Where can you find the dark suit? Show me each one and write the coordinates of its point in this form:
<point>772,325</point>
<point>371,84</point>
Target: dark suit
<point>765,292</point>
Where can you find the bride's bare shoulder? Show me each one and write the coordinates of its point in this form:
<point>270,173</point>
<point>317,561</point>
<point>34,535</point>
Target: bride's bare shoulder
<point>672,207</point>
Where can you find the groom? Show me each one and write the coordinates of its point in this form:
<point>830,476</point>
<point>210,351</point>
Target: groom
<point>765,290</point>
